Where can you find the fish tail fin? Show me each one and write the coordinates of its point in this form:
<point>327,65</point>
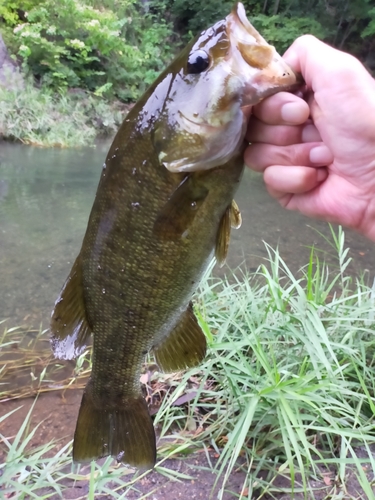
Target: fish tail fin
<point>125,433</point>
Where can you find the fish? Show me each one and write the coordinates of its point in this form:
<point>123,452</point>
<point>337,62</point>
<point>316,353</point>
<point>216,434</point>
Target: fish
<point>164,208</point>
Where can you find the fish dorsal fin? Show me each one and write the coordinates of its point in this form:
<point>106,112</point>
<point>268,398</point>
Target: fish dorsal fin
<point>235,216</point>
<point>69,327</point>
<point>184,347</point>
<point>177,215</point>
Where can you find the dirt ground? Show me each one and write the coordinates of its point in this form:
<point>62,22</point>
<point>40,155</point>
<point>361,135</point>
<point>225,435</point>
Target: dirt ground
<point>58,415</point>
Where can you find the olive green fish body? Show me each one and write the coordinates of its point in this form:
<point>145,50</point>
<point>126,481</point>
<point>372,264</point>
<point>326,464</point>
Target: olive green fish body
<point>164,207</point>
<point>139,269</point>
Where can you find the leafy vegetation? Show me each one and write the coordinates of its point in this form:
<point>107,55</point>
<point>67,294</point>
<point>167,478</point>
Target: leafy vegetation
<point>43,117</point>
<point>348,25</point>
<point>116,47</point>
<point>287,390</point>
<point>113,49</point>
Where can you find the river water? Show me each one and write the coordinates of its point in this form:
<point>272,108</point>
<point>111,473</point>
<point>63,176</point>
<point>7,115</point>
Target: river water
<point>45,200</point>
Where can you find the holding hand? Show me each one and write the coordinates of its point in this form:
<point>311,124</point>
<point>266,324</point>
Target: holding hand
<point>318,156</point>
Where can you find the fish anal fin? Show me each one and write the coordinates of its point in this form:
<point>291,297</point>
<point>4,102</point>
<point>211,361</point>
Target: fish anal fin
<point>223,237</point>
<point>179,212</point>
<point>235,216</point>
<point>69,327</point>
<point>126,433</point>
<point>184,347</point>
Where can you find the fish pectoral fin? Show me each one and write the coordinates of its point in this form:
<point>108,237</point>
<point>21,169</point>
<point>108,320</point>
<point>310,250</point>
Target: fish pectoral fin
<point>69,327</point>
<point>223,237</point>
<point>125,433</point>
<point>179,212</point>
<point>235,216</point>
<point>184,347</point>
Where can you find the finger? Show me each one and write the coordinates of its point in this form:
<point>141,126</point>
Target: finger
<point>321,64</point>
<point>313,154</point>
<point>310,134</point>
<point>281,135</point>
<point>281,181</point>
<point>282,109</point>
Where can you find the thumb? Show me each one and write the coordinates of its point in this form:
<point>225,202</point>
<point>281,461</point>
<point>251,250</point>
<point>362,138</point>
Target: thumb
<point>322,66</point>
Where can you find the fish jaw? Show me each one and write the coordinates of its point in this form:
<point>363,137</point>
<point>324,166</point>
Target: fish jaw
<point>263,71</point>
<point>208,125</point>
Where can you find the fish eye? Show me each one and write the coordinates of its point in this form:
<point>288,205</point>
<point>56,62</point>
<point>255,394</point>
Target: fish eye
<point>198,61</point>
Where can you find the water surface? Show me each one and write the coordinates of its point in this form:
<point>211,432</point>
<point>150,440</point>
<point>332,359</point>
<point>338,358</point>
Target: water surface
<point>45,200</point>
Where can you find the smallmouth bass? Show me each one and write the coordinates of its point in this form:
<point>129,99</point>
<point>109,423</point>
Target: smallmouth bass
<point>164,207</point>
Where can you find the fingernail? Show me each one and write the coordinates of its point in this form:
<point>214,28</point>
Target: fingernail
<point>291,112</point>
<point>321,155</point>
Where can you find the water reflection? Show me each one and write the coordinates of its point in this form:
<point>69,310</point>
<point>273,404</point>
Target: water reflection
<point>45,199</point>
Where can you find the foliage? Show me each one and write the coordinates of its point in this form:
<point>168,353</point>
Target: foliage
<point>288,387</point>
<point>45,118</point>
<point>281,31</point>
<point>71,43</point>
<point>287,390</point>
<point>115,48</point>
<point>345,24</point>
<point>194,16</point>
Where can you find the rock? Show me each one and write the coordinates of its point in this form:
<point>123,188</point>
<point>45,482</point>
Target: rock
<point>10,76</point>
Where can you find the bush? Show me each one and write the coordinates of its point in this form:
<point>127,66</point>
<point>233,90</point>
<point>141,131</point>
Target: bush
<point>281,31</point>
<point>115,50</point>
<point>46,118</point>
<point>194,16</point>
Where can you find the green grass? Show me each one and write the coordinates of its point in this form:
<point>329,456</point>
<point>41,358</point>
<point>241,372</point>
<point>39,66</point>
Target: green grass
<point>286,391</point>
<point>45,118</point>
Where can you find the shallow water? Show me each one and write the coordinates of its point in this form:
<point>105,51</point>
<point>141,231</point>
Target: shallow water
<point>45,200</point>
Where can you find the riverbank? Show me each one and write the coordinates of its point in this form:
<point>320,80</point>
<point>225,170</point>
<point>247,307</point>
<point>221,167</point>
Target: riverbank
<point>281,407</point>
<point>293,333</point>
<point>42,117</point>
<point>86,60</point>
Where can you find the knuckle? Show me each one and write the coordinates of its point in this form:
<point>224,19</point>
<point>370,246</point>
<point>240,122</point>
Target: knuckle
<point>297,155</point>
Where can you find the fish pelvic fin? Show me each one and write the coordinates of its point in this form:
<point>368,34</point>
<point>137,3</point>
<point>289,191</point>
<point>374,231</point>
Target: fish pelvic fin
<point>126,433</point>
<point>69,326</point>
<point>231,218</point>
<point>184,347</point>
<point>235,216</point>
<point>223,237</point>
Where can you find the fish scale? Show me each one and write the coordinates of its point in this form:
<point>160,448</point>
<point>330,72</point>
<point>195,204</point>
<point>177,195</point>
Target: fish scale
<point>163,209</point>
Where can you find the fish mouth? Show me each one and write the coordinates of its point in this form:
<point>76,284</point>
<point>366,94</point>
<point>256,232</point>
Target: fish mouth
<point>243,34</point>
<point>264,70</point>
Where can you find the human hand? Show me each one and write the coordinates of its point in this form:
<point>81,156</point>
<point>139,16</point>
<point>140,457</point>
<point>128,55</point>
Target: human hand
<point>323,166</point>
